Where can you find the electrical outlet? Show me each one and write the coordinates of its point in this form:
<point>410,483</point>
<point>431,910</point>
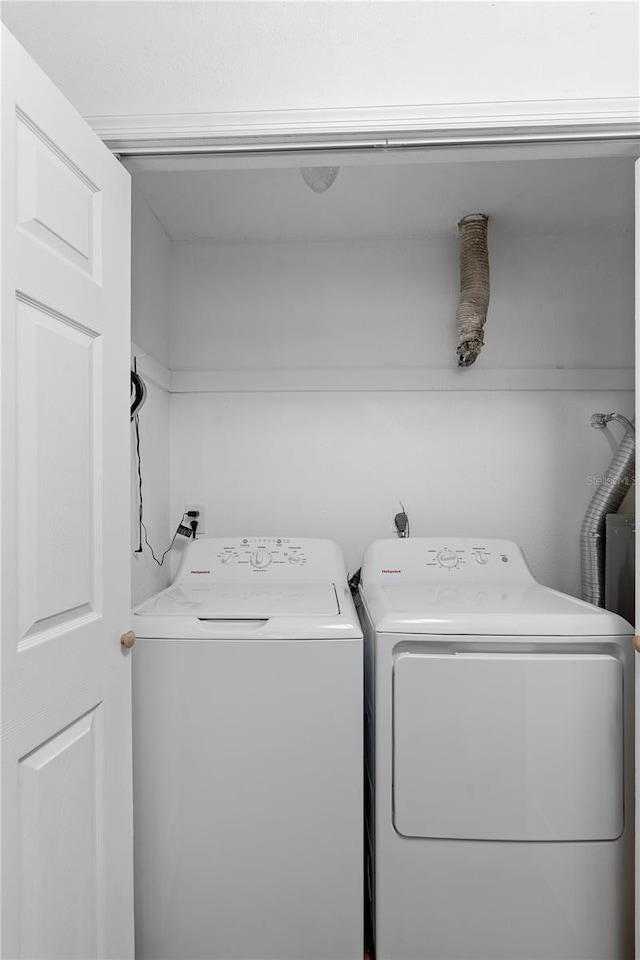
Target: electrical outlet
<point>202,526</point>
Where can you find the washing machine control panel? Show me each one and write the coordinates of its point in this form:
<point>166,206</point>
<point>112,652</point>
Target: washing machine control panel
<point>260,553</point>
<point>271,558</point>
<point>437,559</point>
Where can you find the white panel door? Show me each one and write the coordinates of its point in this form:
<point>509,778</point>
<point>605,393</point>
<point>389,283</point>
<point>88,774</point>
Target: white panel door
<point>66,822</point>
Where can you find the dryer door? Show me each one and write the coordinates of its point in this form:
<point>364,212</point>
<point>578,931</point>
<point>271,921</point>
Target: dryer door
<point>508,746</point>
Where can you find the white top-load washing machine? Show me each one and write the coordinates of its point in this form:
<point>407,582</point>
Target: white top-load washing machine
<point>247,704</point>
<point>499,718</point>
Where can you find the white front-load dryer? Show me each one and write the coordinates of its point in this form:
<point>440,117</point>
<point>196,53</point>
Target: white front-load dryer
<point>247,721</point>
<point>499,759</point>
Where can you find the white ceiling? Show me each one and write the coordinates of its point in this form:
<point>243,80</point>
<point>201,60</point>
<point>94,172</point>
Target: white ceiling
<point>394,200</point>
<point>123,58</point>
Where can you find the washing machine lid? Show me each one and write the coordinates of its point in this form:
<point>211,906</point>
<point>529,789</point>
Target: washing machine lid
<point>485,609</point>
<point>242,601</point>
<point>249,611</point>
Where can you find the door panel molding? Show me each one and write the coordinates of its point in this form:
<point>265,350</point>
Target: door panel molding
<point>57,203</point>
<point>60,815</point>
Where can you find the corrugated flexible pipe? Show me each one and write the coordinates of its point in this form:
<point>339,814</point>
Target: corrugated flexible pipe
<point>610,493</point>
<point>474,287</point>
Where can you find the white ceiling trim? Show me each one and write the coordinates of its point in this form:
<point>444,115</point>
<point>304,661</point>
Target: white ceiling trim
<point>370,129</point>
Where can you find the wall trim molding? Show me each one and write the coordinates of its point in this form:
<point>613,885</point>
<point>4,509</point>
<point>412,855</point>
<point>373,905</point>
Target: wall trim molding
<point>410,380</point>
<point>389,380</point>
<point>372,128</point>
<point>150,369</point>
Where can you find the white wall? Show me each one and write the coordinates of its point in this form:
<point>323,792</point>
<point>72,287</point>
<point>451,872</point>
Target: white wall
<point>149,281</point>
<point>184,57</point>
<point>493,463</point>
<point>512,465</point>
<point>150,334</point>
<point>555,301</point>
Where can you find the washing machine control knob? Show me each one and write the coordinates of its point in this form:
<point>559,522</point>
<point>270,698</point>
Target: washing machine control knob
<point>261,558</point>
<point>447,558</point>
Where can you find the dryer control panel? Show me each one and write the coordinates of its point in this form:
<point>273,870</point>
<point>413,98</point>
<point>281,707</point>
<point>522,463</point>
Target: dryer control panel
<point>270,558</point>
<point>437,559</point>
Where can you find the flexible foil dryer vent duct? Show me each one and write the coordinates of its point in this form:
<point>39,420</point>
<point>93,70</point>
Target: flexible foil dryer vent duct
<point>610,493</point>
<point>474,287</point>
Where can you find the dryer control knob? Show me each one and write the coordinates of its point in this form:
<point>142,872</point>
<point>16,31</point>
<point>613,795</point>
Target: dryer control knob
<point>447,558</point>
<point>261,558</point>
